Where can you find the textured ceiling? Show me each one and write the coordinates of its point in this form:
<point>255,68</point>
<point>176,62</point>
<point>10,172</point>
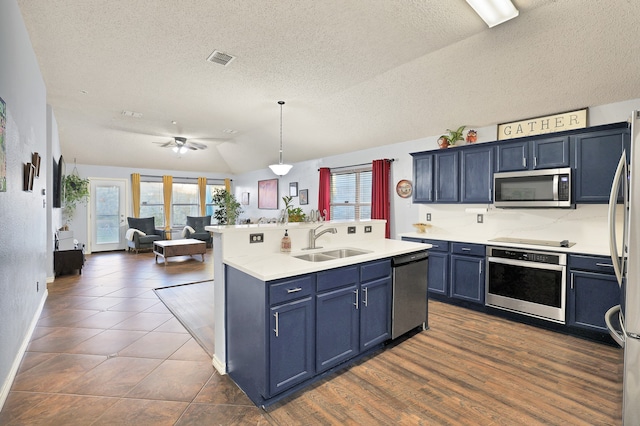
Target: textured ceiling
<point>354,73</point>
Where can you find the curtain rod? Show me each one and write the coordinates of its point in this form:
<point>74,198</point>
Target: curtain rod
<point>357,165</point>
<point>181,177</point>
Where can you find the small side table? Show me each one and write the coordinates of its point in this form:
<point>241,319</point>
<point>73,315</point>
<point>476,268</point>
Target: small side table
<point>67,261</point>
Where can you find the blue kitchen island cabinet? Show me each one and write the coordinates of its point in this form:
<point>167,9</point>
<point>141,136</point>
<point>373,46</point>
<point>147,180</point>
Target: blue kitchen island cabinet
<point>284,334</point>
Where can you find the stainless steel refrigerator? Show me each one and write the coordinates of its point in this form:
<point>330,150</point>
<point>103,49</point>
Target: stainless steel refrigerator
<point>623,320</point>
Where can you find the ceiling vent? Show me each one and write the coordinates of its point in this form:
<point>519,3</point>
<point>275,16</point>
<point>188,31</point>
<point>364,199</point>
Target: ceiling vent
<point>221,58</point>
<point>132,114</point>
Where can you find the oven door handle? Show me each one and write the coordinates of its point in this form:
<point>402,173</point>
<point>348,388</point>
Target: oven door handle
<point>525,264</point>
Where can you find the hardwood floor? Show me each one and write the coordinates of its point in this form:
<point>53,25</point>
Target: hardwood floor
<point>107,351</point>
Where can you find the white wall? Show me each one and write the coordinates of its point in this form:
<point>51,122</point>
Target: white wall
<point>24,254</point>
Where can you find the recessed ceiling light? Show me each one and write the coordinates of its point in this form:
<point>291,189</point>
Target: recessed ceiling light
<point>84,92</point>
<point>494,12</point>
<point>174,122</point>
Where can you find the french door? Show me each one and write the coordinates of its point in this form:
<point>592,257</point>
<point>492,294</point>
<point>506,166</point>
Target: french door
<point>108,220</point>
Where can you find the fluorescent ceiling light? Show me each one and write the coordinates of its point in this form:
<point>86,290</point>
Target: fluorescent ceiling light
<point>494,12</point>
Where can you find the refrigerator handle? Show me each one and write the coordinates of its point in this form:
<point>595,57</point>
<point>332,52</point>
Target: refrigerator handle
<point>618,337</point>
<point>613,201</point>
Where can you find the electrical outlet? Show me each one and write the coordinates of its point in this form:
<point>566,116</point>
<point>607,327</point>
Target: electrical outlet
<point>351,230</point>
<point>428,217</point>
<point>367,229</point>
<point>256,238</point>
<point>480,218</point>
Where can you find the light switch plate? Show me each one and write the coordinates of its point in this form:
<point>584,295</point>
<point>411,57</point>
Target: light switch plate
<point>428,217</point>
<point>480,218</point>
<point>367,229</point>
<point>351,230</point>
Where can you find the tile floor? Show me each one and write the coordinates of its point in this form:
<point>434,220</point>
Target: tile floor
<point>106,351</point>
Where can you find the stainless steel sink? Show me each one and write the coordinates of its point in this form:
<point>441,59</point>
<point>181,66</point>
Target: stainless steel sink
<point>345,252</point>
<point>330,255</point>
<point>315,257</point>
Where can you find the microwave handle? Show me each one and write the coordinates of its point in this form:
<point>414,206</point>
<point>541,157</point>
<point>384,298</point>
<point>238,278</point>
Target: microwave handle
<point>556,178</point>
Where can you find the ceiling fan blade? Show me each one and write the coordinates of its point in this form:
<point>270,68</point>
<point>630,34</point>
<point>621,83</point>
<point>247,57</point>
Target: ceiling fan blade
<point>191,147</point>
<point>164,144</point>
<point>197,145</point>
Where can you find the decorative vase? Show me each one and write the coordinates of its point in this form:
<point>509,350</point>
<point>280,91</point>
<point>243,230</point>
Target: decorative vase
<point>472,136</point>
<point>443,142</point>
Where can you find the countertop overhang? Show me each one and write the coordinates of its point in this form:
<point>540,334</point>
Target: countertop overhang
<point>273,266</point>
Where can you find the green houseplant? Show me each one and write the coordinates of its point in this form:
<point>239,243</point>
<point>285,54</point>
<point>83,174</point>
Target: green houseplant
<point>228,207</point>
<point>295,213</point>
<point>451,137</point>
<point>75,190</point>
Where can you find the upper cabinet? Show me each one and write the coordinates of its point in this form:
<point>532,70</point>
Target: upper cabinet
<point>465,174</point>
<point>596,158</point>
<point>533,154</point>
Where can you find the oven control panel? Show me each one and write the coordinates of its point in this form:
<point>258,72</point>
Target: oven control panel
<point>525,255</point>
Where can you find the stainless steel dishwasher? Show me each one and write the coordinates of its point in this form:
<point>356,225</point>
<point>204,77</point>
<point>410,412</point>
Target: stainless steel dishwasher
<point>409,300</point>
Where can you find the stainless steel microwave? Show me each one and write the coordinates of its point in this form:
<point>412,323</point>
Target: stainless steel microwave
<point>533,188</point>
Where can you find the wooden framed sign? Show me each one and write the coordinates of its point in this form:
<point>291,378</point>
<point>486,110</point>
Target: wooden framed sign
<point>542,125</point>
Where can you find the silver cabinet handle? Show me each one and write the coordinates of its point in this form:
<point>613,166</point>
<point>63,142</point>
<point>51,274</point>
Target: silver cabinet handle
<point>572,281</point>
<point>366,296</point>
<point>356,304</point>
<point>524,162</point>
<point>434,246</point>
<point>535,162</point>
<point>466,249</point>
<point>294,290</point>
<point>277,325</point>
<point>480,266</point>
<point>608,265</point>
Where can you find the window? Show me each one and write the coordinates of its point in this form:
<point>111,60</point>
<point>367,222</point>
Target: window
<point>351,194</point>
<point>151,202</point>
<point>185,201</point>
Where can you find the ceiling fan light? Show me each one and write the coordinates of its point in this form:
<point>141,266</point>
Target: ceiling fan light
<point>494,12</point>
<point>175,149</point>
<point>280,169</point>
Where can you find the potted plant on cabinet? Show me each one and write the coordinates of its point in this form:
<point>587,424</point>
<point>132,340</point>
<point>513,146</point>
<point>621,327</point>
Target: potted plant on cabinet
<point>451,137</point>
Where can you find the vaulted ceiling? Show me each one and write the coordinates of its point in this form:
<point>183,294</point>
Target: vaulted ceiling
<point>353,73</point>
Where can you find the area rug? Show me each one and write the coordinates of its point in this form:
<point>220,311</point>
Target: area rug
<point>192,305</point>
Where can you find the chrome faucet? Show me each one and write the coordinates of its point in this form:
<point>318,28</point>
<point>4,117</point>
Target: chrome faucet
<point>313,236</point>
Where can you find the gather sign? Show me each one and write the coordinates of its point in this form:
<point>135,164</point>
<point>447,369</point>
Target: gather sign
<point>541,125</point>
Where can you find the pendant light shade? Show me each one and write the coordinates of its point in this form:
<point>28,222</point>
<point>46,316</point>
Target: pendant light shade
<point>280,169</point>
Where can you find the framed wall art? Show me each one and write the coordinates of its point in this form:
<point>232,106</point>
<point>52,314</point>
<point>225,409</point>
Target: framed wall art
<point>29,175</point>
<point>35,160</point>
<point>304,197</point>
<point>245,199</point>
<point>293,189</point>
<point>268,194</point>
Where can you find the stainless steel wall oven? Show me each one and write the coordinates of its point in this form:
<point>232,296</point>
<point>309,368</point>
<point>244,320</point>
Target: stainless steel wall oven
<point>525,281</point>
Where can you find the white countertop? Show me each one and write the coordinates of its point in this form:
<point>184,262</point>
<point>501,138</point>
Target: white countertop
<point>590,248</point>
<point>272,266</point>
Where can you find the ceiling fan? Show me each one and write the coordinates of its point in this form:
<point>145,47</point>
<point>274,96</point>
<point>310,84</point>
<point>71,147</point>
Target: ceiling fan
<point>181,145</point>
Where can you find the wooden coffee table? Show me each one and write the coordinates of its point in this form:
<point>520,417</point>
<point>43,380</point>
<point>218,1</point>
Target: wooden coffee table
<point>186,247</point>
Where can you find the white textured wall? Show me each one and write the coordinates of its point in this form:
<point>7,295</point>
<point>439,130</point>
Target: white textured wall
<point>23,218</point>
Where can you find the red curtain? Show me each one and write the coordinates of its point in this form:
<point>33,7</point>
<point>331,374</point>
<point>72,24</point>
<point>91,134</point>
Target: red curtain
<point>380,207</point>
<point>324,194</point>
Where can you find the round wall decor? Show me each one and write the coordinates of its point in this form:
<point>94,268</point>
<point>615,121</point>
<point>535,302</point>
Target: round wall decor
<point>404,188</point>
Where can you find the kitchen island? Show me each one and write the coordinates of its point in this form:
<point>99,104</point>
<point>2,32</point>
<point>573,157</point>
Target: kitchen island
<point>290,321</point>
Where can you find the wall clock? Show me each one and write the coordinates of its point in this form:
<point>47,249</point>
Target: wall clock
<point>404,188</point>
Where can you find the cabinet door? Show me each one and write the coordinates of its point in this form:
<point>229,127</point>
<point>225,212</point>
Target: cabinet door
<point>336,326</point>
<point>446,177</point>
<point>512,156</point>
<point>596,158</point>
<point>291,344</point>
<point>438,273</point>
<point>423,178</point>
<point>590,296</point>
<point>467,278</point>
<point>476,174</point>
<point>550,153</point>
<point>375,313</point>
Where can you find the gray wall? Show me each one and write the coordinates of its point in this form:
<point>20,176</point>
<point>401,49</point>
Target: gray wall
<point>23,217</point>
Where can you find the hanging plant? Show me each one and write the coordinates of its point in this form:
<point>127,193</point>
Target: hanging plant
<point>75,190</point>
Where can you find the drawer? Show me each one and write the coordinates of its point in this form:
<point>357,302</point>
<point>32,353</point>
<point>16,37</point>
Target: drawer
<point>291,289</point>
<point>438,245</point>
<point>468,249</point>
<point>591,263</point>
<point>374,270</point>
<point>335,278</point>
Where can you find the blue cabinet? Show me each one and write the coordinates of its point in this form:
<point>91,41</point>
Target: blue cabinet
<point>446,176</point>
<point>476,175</point>
<point>467,272</point>
<point>375,304</point>
<point>423,178</point>
<point>529,154</point>
<point>593,289</point>
<point>596,158</point>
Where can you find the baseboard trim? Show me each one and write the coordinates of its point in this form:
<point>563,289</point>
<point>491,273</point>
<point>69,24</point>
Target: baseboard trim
<point>6,386</point>
<point>218,365</point>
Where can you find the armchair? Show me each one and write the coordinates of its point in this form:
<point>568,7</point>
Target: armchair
<point>142,233</point>
<point>195,229</point>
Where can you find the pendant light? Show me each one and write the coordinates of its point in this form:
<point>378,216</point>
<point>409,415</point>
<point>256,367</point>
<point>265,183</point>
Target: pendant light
<point>280,169</point>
